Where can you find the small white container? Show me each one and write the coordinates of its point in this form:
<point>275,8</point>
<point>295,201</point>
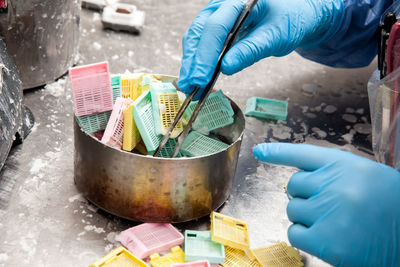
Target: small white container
<point>118,18</point>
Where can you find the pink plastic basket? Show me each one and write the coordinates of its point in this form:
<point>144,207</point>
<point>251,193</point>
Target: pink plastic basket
<point>91,89</point>
<point>148,238</point>
<point>192,264</point>
<point>114,133</point>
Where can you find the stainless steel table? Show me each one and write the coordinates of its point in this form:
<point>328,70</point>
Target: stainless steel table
<point>44,221</point>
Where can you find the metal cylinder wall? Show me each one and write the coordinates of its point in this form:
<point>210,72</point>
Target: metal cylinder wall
<point>42,37</point>
<point>148,189</point>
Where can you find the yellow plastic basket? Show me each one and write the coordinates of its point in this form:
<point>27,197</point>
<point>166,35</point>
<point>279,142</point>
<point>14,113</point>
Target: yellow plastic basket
<point>278,255</point>
<point>229,231</point>
<point>165,101</point>
<point>119,257</point>
<point>238,258</point>
<point>176,256</point>
<point>131,132</point>
<point>131,85</point>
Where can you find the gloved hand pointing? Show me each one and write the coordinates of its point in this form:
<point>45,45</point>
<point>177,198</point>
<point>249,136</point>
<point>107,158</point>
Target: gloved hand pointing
<point>345,208</point>
<point>274,28</point>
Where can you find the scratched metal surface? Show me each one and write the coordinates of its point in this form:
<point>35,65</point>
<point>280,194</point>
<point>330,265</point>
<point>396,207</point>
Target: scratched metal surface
<point>46,222</point>
<point>10,103</point>
<point>41,37</point>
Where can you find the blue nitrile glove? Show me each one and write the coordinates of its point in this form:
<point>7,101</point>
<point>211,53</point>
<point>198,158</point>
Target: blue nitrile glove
<point>274,28</point>
<point>345,208</point>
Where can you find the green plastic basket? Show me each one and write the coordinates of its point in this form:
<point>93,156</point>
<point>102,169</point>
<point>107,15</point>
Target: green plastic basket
<point>165,101</point>
<point>199,246</point>
<point>143,115</point>
<point>116,86</point>
<point>267,108</point>
<point>146,82</point>
<point>216,113</point>
<point>146,79</point>
<point>94,123</point>
<point>218,98</point>
<point>167,150</point>
<point>197,144</point>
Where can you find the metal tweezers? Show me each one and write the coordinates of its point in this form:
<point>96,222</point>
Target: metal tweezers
<point>230,40</point>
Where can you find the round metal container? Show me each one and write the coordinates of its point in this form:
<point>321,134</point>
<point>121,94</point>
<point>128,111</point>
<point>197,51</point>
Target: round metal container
<point>41,37</point>
<point>148,189</point>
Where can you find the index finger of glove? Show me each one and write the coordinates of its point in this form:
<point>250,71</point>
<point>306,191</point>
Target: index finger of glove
<point>302,156</point>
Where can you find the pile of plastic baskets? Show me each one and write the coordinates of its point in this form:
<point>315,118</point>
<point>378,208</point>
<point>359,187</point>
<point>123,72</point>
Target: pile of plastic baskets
<point>226,243</point>
<point>132,112</point>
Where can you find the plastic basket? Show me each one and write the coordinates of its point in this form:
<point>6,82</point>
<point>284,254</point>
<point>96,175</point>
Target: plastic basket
<point>147,81</point>
<point>91,89</point>
<point>143,115</point>
<point>199,246</point>
<point>217,99</point>
<point>216,113</point>
<point>278,255</point>
<point>131,85</point>
<point>131,133</point>
<point>165,101</point>
<point>197,144</point>
<point>176,256</point>
<point>229,231</point>
<point>98,134</point>
<point>148,238</point>
<point>119,257</point>
<point>168,150</point>
<point>116,86</point>
<point>113,135</point>
<point>141,148</point>
<point>266,108</point>
<point>238,258</point>
<point>94,123</point>
<point>182,97</point>
<point>192,264</point>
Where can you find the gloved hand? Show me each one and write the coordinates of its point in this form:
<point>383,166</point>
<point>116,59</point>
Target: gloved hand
<point>274,28</point>
<point>345,208</point>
